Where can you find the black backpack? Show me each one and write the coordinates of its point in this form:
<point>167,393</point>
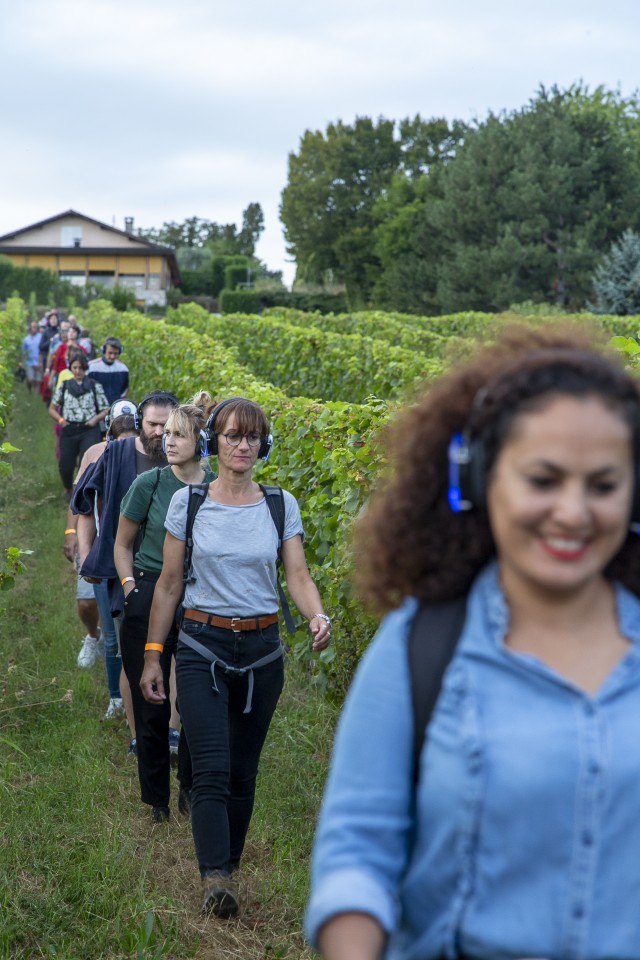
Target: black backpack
<point>275,502</point>
<point>433,638</point>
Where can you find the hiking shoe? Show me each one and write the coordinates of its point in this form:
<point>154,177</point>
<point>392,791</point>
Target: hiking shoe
<point>174,743</point>
<point>115,709</point>
<point>160,814</point>
<point>184,802</point>
<point>220,895</point>
<point>88,651</point>
<point>133,748</point>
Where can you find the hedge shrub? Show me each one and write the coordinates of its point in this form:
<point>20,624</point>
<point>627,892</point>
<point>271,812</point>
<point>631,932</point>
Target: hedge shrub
<point>312,362</point>
<point>238,301</point>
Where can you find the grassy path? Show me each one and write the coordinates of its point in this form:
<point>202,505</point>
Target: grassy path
<point>83,872</point>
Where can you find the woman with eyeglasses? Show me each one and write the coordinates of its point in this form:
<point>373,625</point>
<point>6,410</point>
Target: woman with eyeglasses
<point>229,661</point>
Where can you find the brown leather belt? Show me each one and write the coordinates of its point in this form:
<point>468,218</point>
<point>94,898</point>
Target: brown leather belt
<point>237,624</point>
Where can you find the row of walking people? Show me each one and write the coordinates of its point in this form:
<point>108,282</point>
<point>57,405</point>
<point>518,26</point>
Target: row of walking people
<point>132,509</point>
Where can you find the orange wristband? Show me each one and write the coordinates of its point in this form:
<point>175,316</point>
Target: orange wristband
<point>127,580</point>
<point>70,530</point>
<point>154,646</point>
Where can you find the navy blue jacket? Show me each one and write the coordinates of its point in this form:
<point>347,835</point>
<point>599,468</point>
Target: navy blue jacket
<point>109,478</point>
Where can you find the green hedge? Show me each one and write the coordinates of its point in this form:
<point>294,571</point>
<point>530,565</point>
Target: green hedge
<point>13,329</point>
<point>324,453</point>
<point>403,329</point>
<point>235,275</point>
<point>236,301</point>
<point>311,362</point>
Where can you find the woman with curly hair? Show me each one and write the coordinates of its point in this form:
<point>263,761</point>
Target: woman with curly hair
<point>513,484</point>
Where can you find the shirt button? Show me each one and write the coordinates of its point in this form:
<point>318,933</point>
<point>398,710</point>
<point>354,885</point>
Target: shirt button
<point>578,911</point>
<point>587,838</point>
<point>589,708</point>
<point>594,767</point>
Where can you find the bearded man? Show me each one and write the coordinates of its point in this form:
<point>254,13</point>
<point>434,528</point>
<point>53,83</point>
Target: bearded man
<point>101,488</point>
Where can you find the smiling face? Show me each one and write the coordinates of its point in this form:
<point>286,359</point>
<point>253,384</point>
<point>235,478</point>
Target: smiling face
<point>559,496</point>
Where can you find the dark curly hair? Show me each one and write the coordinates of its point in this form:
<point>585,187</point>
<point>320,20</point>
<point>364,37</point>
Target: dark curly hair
<point>408,542</point>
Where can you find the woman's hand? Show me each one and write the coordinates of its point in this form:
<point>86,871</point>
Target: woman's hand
<point>321,630</point>
<point>152,680</point>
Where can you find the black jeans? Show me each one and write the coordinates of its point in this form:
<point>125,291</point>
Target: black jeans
<point>225,743</point>
<point>75,439</point>
<point>152,719</point>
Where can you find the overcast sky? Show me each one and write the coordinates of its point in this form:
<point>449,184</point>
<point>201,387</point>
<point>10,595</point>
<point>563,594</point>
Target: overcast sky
<point>165,109</point>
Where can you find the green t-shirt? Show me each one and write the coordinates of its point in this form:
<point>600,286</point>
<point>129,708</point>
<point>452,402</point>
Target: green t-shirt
<point>149,497</point>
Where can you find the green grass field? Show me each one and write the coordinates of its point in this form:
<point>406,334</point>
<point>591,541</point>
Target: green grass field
<point>83,872</point>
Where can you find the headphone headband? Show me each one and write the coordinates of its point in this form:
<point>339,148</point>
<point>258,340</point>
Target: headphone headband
<point>112,342</point>
<point>211,437</point>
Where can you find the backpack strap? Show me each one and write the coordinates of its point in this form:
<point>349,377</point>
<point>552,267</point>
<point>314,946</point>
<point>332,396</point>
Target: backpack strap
<point>197,495</point>
<point>143,523</point>
<point>275,502</point>
<point>433,638</point>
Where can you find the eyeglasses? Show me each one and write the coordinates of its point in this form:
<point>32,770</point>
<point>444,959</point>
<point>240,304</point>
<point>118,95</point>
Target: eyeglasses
<point>234,439</point>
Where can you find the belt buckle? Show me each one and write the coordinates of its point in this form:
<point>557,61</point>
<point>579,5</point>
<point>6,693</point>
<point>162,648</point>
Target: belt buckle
<point>234,622</point>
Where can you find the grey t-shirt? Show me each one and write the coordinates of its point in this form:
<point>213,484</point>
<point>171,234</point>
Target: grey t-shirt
<point>234,554</point>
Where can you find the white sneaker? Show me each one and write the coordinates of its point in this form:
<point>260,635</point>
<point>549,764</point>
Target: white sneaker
<point>115,709</point>
<point>88,652</point>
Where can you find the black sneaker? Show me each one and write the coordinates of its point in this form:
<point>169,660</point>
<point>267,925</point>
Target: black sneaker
<point>184,802</point>
<point>160,814</point>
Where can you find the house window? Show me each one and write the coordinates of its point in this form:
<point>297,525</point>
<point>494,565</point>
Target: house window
<point>76,277</point>
<point>71,237</point>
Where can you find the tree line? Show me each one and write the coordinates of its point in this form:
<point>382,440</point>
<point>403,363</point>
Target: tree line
<point>436,216</point>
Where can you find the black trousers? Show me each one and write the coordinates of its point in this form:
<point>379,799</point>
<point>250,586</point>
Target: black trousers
<point>151,719</point>
<point>75,439</point>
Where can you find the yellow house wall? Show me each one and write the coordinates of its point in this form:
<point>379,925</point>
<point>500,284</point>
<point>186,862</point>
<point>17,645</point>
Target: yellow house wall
<point>120,265</point>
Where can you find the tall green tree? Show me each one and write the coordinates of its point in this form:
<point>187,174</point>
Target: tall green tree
<point>338,188</point>
<point>327,205</point>
<point>616,281</point>
<point>534,198</point>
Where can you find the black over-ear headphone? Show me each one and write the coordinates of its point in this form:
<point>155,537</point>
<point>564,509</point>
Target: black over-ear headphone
<point>202,445</point>
<point>162,397</point>
<point>112,342</point>
<point>266,443</point>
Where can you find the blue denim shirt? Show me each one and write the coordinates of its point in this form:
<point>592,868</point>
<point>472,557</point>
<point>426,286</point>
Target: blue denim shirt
<point>526,836</point>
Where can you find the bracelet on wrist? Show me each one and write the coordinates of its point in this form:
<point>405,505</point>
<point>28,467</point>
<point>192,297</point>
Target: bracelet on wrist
<point>321,616</point>
<point>70,530</point>
<point>60,419</point>
<point>127,580</point>
<point>154,646</point>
